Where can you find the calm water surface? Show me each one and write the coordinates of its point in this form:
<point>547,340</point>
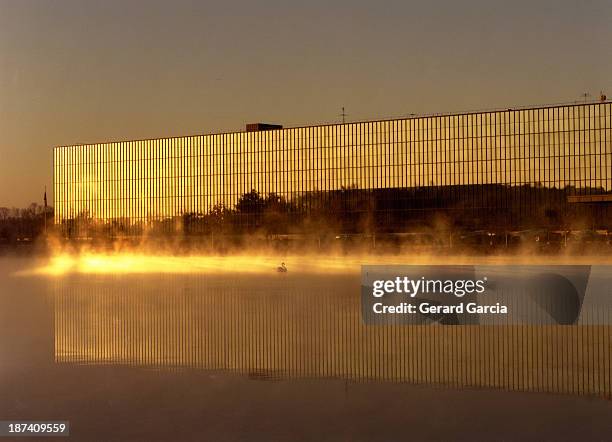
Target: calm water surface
<point>280,357</point>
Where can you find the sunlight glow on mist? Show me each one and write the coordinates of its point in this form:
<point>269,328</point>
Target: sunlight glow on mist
<point>124,263</point>
<point>136,263</point>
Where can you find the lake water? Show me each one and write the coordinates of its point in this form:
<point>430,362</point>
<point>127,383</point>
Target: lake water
<point>196,349</point>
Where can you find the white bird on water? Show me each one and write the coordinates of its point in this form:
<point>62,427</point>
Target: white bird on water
<point>282,268</point>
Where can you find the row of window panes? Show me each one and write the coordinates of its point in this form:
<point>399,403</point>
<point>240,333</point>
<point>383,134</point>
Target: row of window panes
<point>276,161</point>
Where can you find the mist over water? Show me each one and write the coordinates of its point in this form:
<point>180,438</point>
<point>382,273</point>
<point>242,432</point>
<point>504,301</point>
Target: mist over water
<point>227,345</point>
<point>238,313</point>
<point>179,356</point>
<point>136,261</point>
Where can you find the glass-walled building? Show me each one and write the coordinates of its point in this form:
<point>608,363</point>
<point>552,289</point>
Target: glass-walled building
<point>512,169</point>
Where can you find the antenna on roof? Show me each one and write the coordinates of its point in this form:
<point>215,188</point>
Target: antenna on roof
<point>585,95</point>
<point>343,115</point>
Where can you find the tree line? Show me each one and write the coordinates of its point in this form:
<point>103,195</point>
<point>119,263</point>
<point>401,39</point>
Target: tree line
<point>353,210</point>
<point>24,224</point>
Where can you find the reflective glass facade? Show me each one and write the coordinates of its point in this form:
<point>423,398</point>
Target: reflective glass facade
<point>505,168</point>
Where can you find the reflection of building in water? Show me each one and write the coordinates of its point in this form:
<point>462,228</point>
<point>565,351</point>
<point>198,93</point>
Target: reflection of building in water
<point>512,169</point>
<point>310,327</point>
